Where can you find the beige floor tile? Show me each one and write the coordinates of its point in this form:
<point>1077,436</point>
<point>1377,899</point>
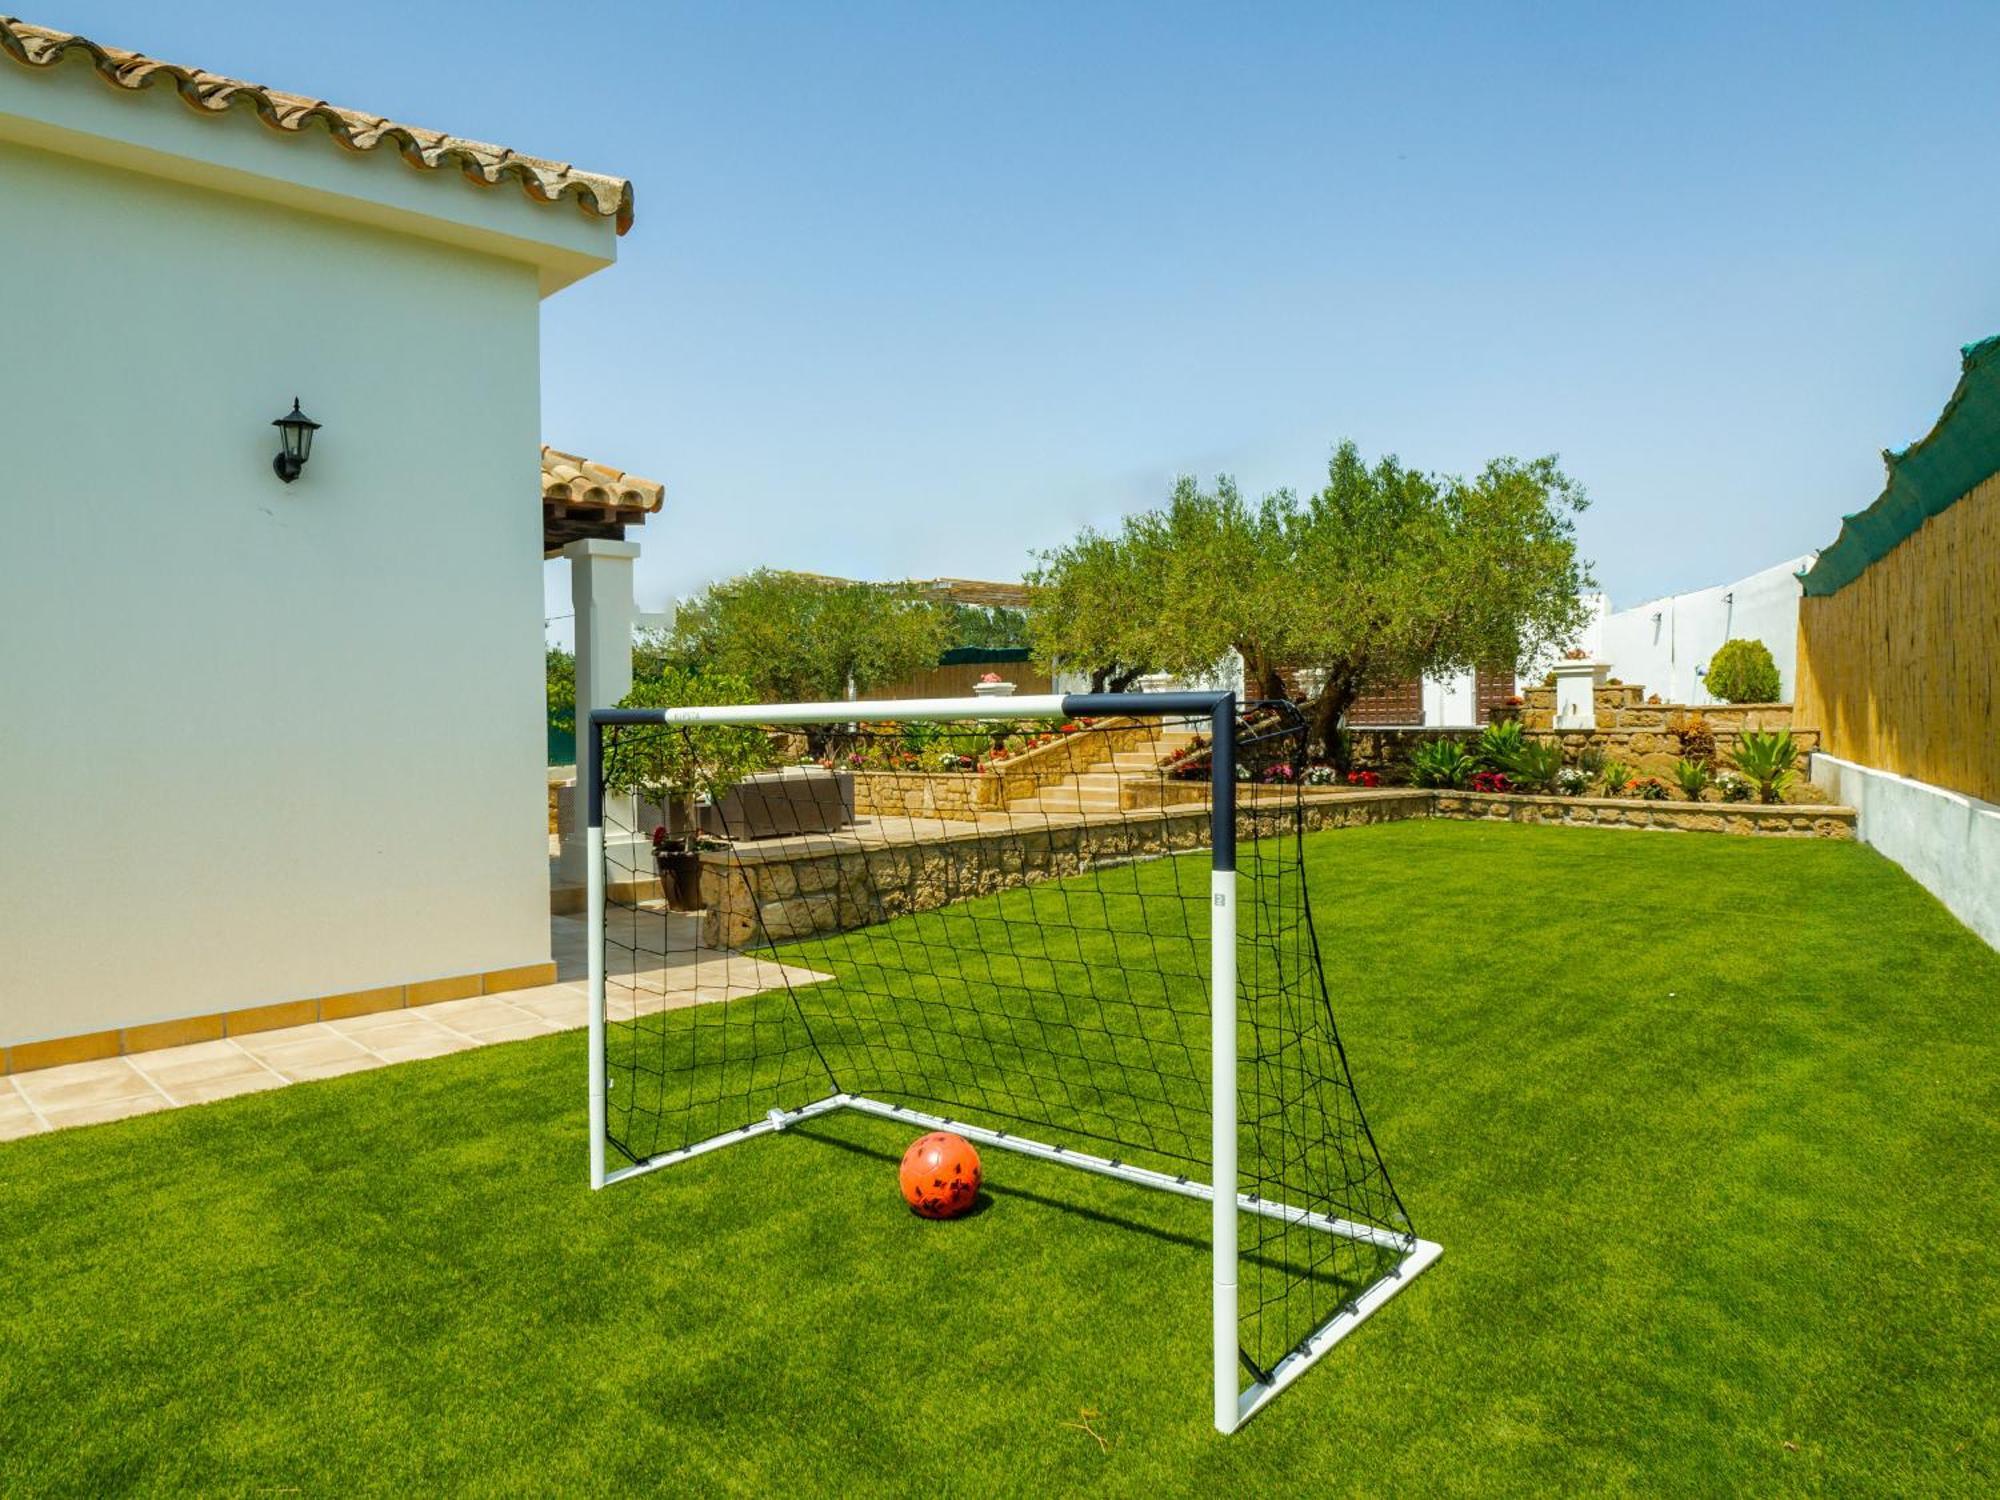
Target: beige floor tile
<point>308,1047</point>
<point>518,1030</point>
<point>13,1127</point>
<point>437,1043</point>
<point>302,1072</point>
<point>82,1084</point>
<point>194,1052</point>
<point>359,1027</point>
<point>476,1015</point>
<point>102,1111</point>
<point>291,1039</point>
<point>407,1032</point>
<point>562,1007</point>
<point>208,1090</point>
<point>179,1074</point>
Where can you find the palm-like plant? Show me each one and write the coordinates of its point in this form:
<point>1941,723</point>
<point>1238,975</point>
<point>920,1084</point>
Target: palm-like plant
<point>1693,776</point>
<point>1534,767</point>
<point>1442,763</point>
<point>1769,760</point>
<point>1498,744</point>
<point>1617,778</point>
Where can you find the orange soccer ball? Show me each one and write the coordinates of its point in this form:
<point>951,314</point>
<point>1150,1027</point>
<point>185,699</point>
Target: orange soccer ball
<point>940,1175</point>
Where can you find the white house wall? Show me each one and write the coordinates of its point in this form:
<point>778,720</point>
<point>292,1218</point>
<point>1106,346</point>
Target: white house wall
<point>1665,644</point>
<point>263,742</point>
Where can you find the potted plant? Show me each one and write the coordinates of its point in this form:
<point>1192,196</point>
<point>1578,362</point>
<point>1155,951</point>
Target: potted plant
<point>680,766</point>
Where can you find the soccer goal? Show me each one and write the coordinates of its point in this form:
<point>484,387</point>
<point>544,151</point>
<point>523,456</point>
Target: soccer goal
<point>1073,927</point>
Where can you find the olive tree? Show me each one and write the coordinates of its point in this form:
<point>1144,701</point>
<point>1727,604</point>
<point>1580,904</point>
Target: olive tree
<point>796,638</point>
<point>1385,572</point>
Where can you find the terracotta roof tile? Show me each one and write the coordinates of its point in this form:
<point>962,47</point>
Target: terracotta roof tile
<point>213,94</point>
<point>580,484</point>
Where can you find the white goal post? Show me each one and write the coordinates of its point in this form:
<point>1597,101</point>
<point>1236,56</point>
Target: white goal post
<point>1217,714</point>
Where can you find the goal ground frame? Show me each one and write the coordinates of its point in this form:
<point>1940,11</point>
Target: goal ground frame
<point>1233,1403</point>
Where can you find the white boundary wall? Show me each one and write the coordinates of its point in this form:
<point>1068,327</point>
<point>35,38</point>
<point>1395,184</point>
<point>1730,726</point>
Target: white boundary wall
<point>1665,644</point>
<point>1948,842</point>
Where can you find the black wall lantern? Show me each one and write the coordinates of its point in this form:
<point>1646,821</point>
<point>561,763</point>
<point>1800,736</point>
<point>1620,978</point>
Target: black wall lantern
<point>296,429</point>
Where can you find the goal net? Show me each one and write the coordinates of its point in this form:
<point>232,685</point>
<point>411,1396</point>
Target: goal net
<point>1074,927</point>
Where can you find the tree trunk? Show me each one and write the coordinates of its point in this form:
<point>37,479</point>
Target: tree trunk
<point>1336,697</point>
<point>1259,670</point>
<point>1114,678</point>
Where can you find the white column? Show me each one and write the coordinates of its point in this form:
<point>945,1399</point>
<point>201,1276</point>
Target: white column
<point>600,588</point>
<point>1576,693</point>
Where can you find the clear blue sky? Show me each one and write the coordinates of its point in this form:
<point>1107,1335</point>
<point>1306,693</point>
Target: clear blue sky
<point>916,288</point>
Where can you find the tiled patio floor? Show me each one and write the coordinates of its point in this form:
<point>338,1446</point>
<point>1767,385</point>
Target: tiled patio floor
<point>142,1082</point>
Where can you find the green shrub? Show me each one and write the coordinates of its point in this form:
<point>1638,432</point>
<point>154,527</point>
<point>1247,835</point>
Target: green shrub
<point>1743,672</point>
<point>1498,744</point>
<point>1651,789</point>
<point>1693,777</point>
<point>1617,778</point>
<point>1444,763</point>
<point>1591,761</point>
<point>1770,760</point>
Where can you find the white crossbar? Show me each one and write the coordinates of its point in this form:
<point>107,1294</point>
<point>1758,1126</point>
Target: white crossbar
<point>1029,706</point>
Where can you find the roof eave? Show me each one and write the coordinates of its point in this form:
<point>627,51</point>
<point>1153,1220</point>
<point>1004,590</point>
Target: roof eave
<point>151,131</point>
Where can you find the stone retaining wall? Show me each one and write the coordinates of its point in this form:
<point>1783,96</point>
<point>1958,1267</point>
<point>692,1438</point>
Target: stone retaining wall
<point>926,794</point>
<point>803,889</point>
<point>1779,821</point>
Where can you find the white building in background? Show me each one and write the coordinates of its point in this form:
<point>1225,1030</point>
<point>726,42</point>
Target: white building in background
<point>1665,644</point>
<point>275,750</point>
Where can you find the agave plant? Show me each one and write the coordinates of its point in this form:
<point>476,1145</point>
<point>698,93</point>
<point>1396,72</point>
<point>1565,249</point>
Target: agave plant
<point>1442,763</point>
<point>1498,744</point>
<point>1617,777</point>
<point>1769,760</point>
<point>1693,776</point>
<point>1535,767</point>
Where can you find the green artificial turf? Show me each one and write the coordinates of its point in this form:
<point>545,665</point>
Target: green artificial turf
<point>1709,1129</point>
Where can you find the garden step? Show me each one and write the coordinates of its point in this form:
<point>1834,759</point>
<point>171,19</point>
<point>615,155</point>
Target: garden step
<point>1071,799</point>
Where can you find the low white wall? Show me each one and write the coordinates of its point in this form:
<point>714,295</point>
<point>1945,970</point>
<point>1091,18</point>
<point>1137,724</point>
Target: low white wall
<point>1949,843</point>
